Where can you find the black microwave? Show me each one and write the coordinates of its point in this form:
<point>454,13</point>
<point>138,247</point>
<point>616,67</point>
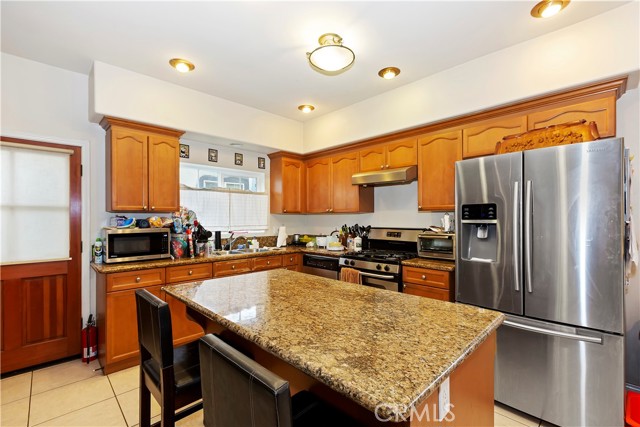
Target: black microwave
<point>135,244</point>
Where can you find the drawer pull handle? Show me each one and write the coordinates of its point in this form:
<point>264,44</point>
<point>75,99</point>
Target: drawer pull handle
<point>291,259</point>
<point>424,277</point>
<point>138,279</point>
<point>268,262</point>
<point>190,272</point>
<point>233,267</point>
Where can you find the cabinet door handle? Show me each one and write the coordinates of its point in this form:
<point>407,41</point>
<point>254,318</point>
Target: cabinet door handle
<point>284,210</point>
<point>327,210</point>
<point>387,166</point>
<point>268,262</point>
<point>291,259</point>
<point>424,277</point>
<point>153,207</point>
<point>190,272</point>
<point>331,210</point>
<point>233,267</point>
<point>144,207</point>
<point>138,279</point>
<point>419,206</point>
<point>381,166</point>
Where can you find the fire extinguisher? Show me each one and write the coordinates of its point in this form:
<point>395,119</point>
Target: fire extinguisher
<point>90,341</point>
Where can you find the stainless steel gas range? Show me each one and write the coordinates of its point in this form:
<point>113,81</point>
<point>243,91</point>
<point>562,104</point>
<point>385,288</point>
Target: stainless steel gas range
<point>380,260</point>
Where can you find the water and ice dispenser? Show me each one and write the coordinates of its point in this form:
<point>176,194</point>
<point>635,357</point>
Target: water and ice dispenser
<point>479,232</point>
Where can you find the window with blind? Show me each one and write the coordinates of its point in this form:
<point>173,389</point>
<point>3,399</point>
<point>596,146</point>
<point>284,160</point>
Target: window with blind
<point>34,203</point>
<point>225,199</point>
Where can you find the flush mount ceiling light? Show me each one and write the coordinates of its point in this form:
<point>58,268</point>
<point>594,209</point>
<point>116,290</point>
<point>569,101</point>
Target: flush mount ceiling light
<point>331,57</point>
<point>306,108</point>
<point>182,65</point>
<point>548,8</point>
<point>389,72</point>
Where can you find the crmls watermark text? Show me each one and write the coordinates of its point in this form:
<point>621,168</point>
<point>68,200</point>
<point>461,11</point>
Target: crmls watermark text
<point>427,413</point>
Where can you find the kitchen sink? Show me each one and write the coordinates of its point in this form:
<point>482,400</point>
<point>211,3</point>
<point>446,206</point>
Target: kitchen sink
<point>244,251</point>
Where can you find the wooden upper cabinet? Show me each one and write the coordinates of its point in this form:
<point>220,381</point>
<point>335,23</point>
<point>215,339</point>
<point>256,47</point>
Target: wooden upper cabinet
<point>345,196</point>
<point>393,155</point>
<point>329,188</point>
<point>143,167</point>
<point>164,174</point>
<point>319,185</point>
<point>287,185</point>
<point>481,138</point>
<point>127,170</point>
<point>437,154</point>
<point>599,108</point>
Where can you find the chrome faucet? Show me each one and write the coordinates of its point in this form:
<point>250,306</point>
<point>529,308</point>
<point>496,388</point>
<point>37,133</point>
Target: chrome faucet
<point>231,241</point>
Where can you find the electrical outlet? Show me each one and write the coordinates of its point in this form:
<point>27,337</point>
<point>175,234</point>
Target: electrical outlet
<point>444,400</point>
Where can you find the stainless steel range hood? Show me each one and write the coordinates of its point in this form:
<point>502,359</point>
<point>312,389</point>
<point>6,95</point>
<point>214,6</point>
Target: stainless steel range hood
<point>386,177</point>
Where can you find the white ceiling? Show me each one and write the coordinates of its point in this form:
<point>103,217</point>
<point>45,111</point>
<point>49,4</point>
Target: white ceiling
<point>253,53</point>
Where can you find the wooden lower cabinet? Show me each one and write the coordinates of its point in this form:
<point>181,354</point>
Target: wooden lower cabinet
<point>425,282</point>
<point>230,268</point>
<point>292,262</point>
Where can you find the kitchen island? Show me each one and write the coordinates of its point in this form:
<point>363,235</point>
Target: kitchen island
<point>377,354</point>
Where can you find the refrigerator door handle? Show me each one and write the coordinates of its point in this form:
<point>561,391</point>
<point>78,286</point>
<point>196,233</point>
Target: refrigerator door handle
<point>527,234</point>
<point>516,235</point>
<point>595,340</point>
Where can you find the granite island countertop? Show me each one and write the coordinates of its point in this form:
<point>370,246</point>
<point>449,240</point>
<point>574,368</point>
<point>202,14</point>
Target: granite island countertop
<point>371,345</point>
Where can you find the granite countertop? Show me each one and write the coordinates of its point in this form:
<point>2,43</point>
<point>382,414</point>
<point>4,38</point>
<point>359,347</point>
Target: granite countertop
<point>373,346</point>
<point>433,264</point>
<point>143,265</point>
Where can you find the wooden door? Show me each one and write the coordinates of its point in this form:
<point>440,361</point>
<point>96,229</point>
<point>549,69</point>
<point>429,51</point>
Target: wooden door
<point>293,184</point>
<point>437,154</point>
<point>122,330</point>
<point>481,138</point>
<point>402,153</point>
<point>41,302</point>
<point>319,185</point>
<point>345,196</point>
<point>127,170</point>
<point>372,159</point>
<point>164,173</point>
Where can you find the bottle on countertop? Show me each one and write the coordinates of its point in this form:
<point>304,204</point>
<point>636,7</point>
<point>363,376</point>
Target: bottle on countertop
<point>357,244</point>
<point>97,252</point>
<point>350,242</point>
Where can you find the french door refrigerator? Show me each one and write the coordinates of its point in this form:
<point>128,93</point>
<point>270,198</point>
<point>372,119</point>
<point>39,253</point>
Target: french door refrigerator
<point>540,237</point>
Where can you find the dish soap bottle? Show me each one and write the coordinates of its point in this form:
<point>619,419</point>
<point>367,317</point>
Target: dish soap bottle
<point>357,244</point>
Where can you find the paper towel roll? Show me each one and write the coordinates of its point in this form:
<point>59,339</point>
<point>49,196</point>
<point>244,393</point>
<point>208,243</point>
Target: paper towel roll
<point>282,236</point>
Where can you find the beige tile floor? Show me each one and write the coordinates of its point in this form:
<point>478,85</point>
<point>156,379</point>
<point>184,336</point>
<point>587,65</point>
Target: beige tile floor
<point>73,394</point>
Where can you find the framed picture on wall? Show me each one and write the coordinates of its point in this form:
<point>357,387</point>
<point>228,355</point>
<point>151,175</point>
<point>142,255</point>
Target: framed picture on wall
<point>184,151</point>
<point>213,155</point>
<point>261,162</point>
<point>238,159</point>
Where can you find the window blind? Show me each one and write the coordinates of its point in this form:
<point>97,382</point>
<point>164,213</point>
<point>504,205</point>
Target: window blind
<point>34,203</point>
<point>224,209</point>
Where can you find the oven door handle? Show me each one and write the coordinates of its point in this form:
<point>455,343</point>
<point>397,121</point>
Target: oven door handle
<point>377,276</point>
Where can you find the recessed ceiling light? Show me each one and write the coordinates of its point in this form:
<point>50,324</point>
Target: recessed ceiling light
<point>548,8</point>
<point>389,72</point>
<point>306,108</point>
<point>182,65</point>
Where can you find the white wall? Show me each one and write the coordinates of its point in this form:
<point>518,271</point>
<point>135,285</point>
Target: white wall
<point>604,46</point>
<point>128,95</point>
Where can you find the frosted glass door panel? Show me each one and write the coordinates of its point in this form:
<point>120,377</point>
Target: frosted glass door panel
<point>34,205</point>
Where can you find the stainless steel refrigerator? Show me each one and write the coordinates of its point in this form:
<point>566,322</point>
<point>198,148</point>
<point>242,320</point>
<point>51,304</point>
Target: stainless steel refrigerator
<point>540,237</point>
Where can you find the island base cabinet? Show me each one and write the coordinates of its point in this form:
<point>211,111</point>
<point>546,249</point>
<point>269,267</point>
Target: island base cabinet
<point>470,385</point>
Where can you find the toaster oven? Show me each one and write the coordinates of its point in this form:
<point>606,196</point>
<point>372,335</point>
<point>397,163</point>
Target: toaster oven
<point>437,245</point>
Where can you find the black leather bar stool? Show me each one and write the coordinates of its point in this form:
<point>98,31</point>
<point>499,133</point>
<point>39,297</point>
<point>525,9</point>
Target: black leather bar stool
<point>237,391</point>
<point>172,375</point>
